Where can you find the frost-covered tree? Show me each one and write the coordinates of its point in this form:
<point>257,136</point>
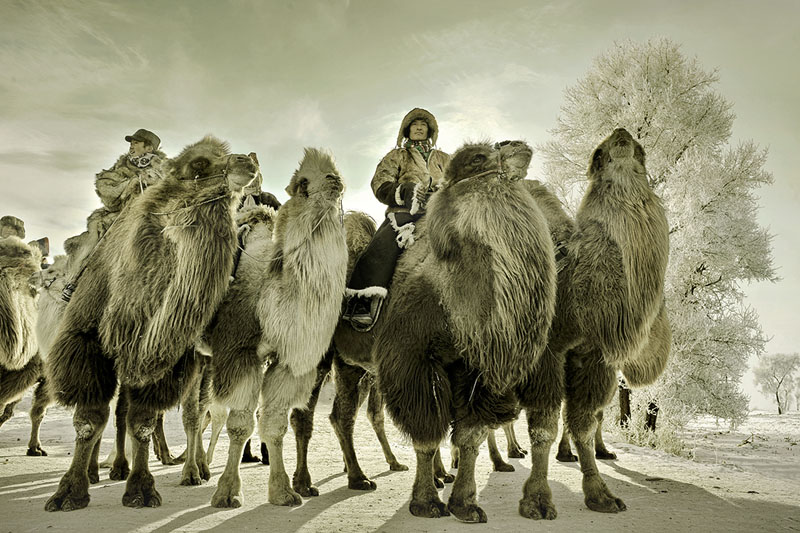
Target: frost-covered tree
<point>775,375</point>
<point>668,103</point>
<point>797,394</point>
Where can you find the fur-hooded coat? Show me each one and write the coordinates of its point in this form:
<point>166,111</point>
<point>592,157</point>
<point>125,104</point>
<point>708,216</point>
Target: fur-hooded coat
<point>404,167</point>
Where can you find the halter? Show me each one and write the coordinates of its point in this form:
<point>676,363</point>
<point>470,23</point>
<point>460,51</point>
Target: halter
<point>499,170</point>
<point>223,174</point>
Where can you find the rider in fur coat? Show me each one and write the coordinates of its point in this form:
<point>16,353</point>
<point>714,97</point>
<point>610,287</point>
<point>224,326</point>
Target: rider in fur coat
<point>404,179</point>
<point>129,176</point>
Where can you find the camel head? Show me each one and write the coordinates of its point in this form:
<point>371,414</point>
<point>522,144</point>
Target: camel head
<point>515,156</point>
<point>210,158</point>
<point>507,160</point>
<point>54,278</point>
<point>316,178</point>
<point>18,261</point>
<point>620,152</point>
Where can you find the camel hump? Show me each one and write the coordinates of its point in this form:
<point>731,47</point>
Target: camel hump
<point>359,228</point>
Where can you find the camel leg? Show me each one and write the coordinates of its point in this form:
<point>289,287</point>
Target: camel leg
<point>537,499</point>
<point>564,453</point>
<point>73,490</point>
<point>41,399</point>
<point>439,471</point>
<point>600,450</point>
<point>219,414</point>
<point>343,416</point>
<point>512,444</point>
<point>302,420</point>
<point>590,386</point>
<point>425,500</point>
<point>240,425</point>
<point>376,418</point>
<point>140,489</point>
<point>463,502</point>
<point>94,466</point>
<point>494,454</point>
<point>281,391</point>
<point>541,397</point>
<point>119,467</point>
<point>8,411</point>
<point>160,446</point>
<point>195,467</point>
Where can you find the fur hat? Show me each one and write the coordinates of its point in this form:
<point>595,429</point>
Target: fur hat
<point>422,114</point>
<point>145,136</point>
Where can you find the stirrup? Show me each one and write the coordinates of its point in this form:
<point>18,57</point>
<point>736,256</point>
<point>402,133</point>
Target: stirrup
<point>362,320</point>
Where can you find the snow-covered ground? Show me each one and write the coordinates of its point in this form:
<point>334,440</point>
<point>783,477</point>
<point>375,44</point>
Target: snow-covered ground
<point>742,480</point>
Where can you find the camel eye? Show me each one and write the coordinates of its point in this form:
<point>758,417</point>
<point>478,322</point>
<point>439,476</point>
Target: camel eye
<point>200,163</point>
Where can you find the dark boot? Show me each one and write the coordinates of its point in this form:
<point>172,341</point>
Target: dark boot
<point>363,307</point>
<point>373,272</point>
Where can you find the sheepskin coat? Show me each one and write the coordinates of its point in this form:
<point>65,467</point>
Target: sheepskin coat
<point>404,164</point>
<point>123,180</point>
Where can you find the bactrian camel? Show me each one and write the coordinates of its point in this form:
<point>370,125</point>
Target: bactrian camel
<point>148,291</point>
<point>280,311</point>
<point>466,324</point>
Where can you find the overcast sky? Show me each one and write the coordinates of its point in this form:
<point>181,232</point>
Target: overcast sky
<point>272,77</point>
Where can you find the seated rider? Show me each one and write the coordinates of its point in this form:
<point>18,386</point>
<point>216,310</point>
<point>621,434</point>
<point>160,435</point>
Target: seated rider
<point>403,180</point>
<point>133,172</point>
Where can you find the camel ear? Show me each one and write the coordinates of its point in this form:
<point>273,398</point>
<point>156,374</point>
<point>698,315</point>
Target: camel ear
<point>638,153</point>
<point>598,161</point>
<point>298,186</point>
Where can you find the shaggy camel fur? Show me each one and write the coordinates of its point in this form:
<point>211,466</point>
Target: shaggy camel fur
<point>351,355</point>
<point>148,291</point>
<point>453,353</point>
<point>280,311</point>
<point>21,365</point>
<point>610,311</point>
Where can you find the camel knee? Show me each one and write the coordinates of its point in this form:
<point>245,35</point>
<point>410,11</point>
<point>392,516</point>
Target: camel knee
<point>273,422</point>
<point>542,428</point>
<point>469,437</point>
<point>90,422</point>
<point>141,425</point>
<point>240,424</point>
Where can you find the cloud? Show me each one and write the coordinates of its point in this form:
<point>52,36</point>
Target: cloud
<point>59,160</point>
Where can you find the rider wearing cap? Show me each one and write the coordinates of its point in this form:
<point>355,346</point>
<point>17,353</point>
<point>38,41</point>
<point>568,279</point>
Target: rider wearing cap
<point>133,172</point>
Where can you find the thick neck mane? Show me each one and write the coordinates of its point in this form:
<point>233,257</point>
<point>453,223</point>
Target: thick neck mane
<point>622,222</point>
<point>623,202</point>
<point>170,262</point>
<point>301,294</point>
<point>496,258</point>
